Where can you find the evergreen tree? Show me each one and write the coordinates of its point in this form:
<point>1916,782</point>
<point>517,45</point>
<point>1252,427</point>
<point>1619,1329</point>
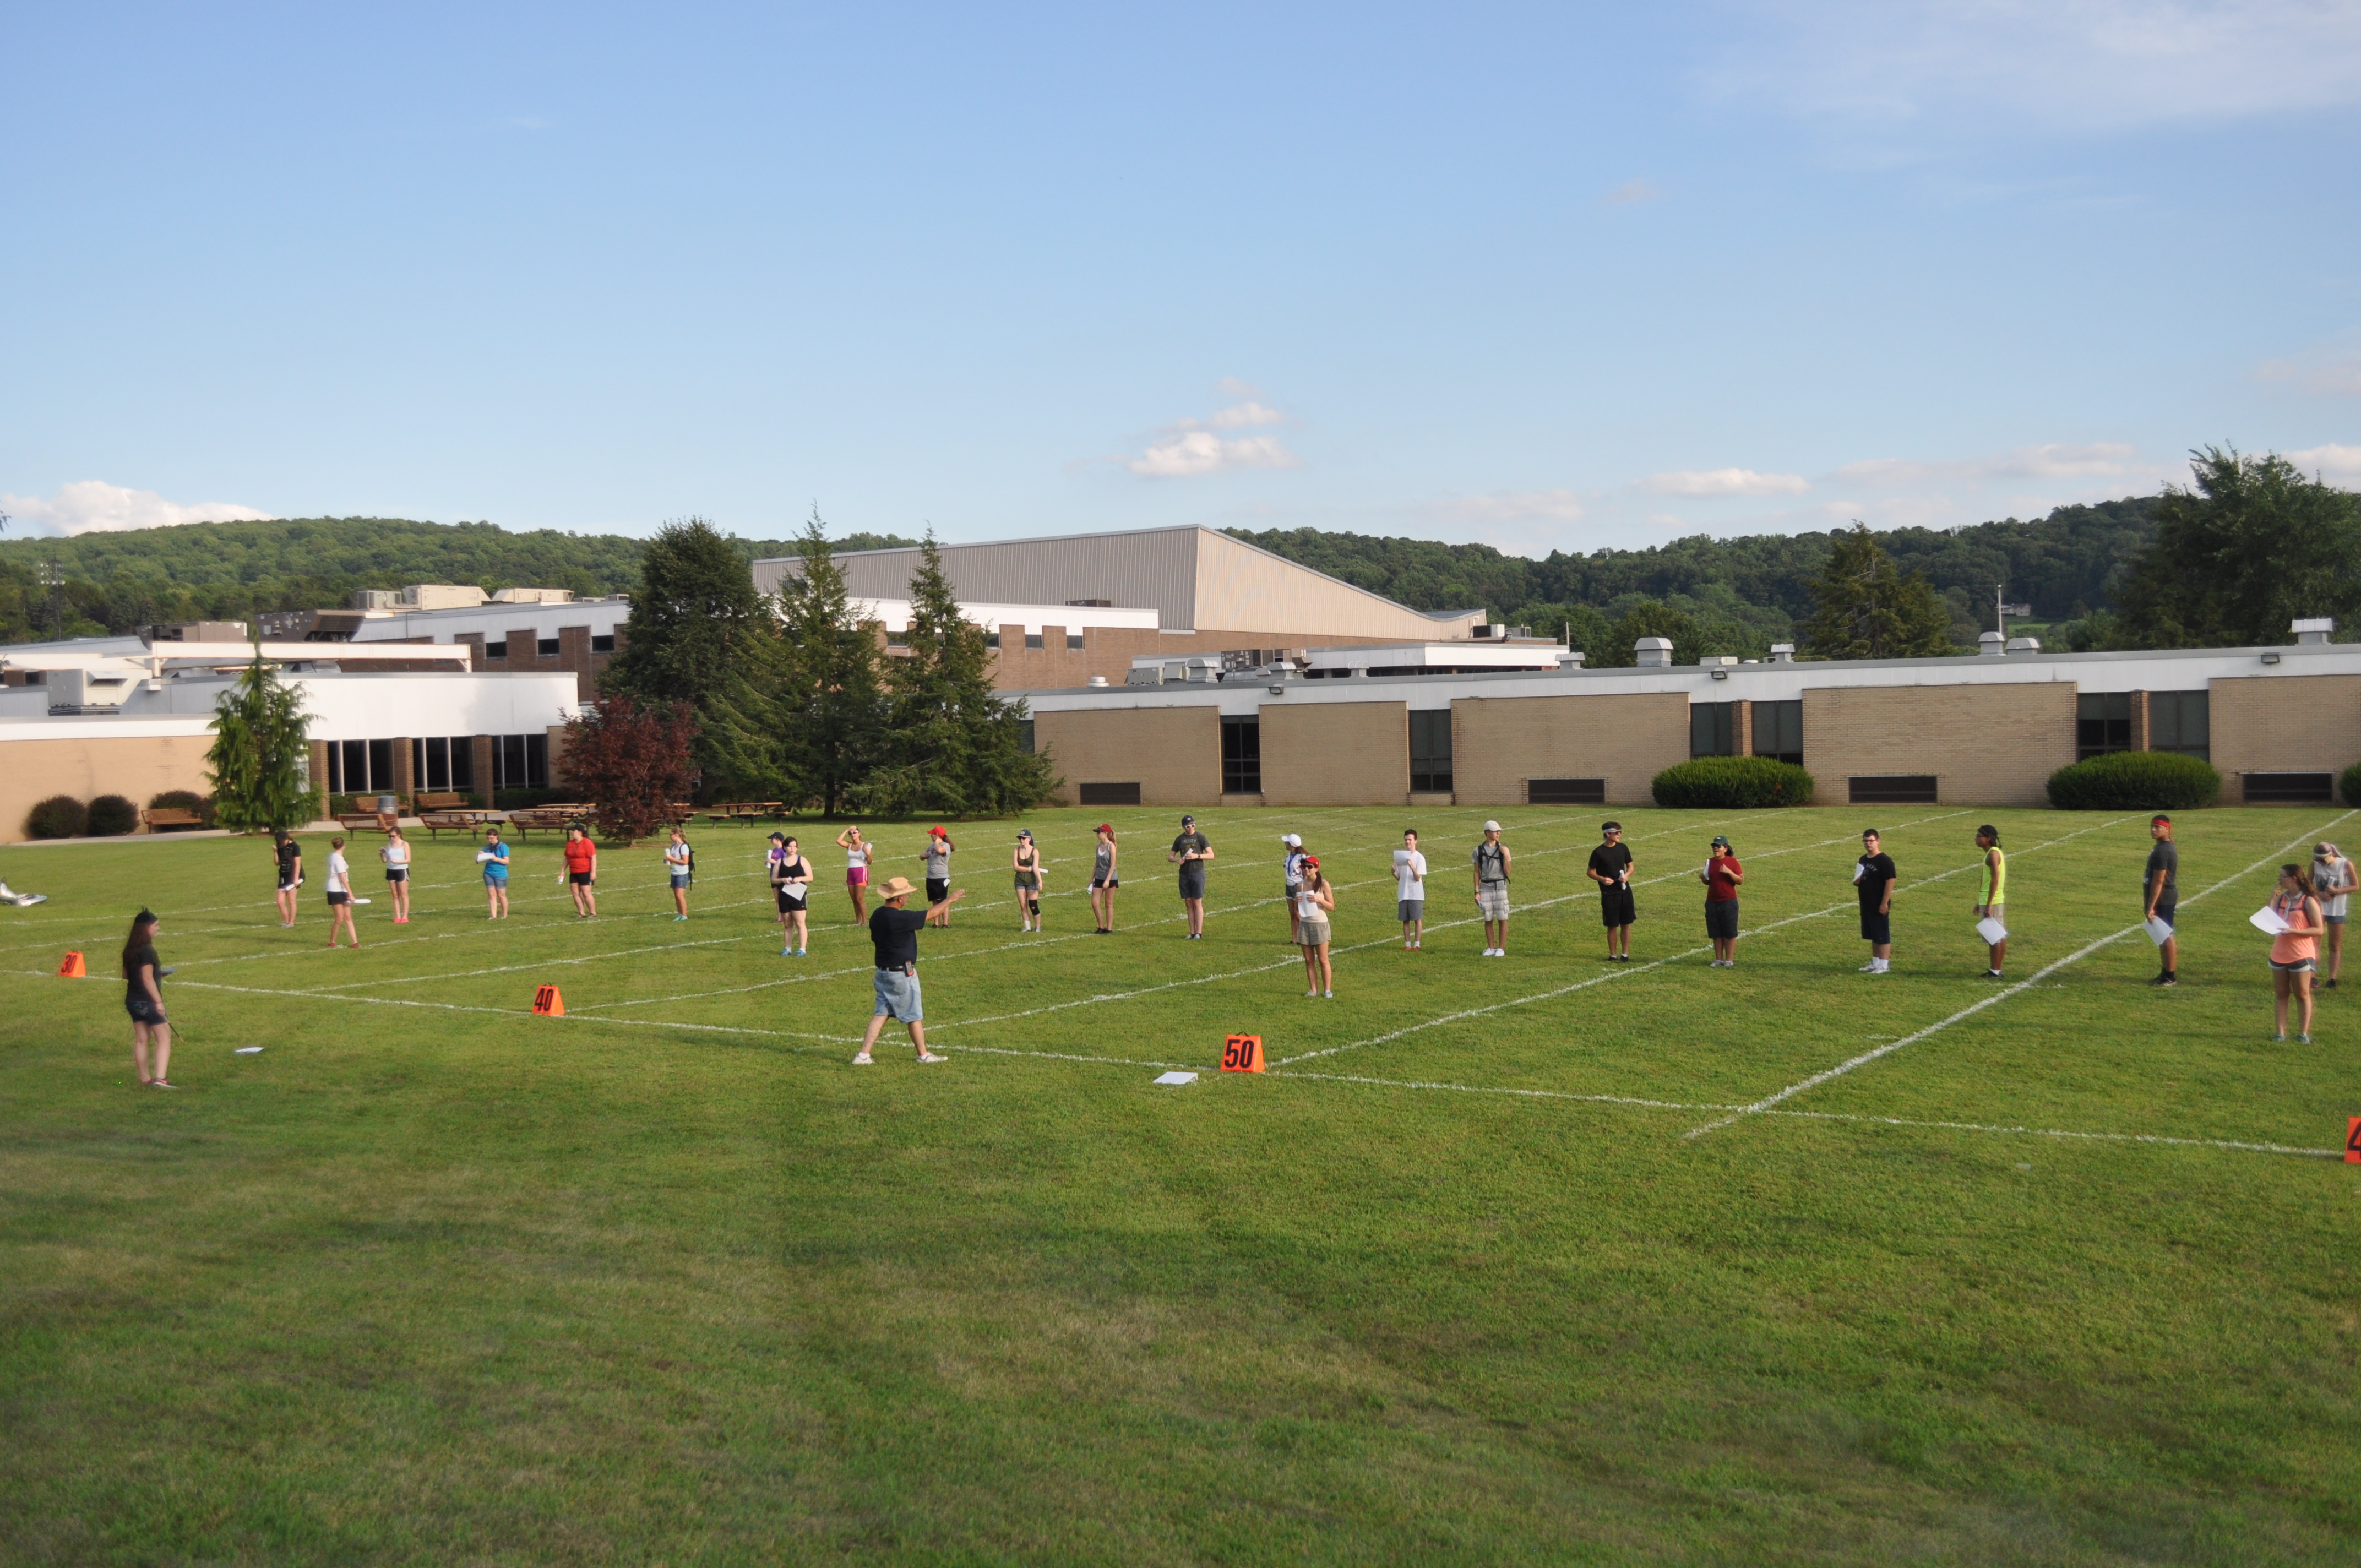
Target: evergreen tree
<point>260,753</point>
<point>2251,547</point>
<point>959,748</point>
<point>695,636</point>
<point>1868,609</point>
<point>825,700</point>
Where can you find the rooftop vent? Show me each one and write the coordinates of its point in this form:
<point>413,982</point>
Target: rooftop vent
<point>1992,645</point>
<point>1654,652</point>
<point>2025,644</point>
<point>2323,629</point>
<point>1782,653</point>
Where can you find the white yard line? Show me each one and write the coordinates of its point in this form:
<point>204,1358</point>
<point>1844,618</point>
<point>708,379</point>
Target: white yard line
<point>1842,1067</point>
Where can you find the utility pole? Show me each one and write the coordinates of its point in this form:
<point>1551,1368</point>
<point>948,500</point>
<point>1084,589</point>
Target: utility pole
<point>1999,611</point>
<point>54,579</point>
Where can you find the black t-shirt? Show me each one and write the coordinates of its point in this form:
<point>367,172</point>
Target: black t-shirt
<point>894,934</point>
<point>1186,843</point>
<point>131,963</point>
<point>1876,871</point>
<point>1610,861</point>
<point>287,853</point>
<point>2166,859</point>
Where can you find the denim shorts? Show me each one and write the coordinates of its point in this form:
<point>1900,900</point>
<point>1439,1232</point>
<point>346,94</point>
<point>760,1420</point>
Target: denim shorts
<point>897,996</point>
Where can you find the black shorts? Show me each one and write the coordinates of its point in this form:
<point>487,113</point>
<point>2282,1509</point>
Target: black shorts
<point>2165,906</point>
<point>1877,928</point>
<point>394,875</point>
<point>1721,919</point>
<point>579,878</point>
<point>791,903</point>
<point>1192,883</point>
<point>937,889</point>
<point>142,1010</point>
<point>340,898</point>
<point>1110,882</point>
<point>286,885</point>
<point>1617,906</point>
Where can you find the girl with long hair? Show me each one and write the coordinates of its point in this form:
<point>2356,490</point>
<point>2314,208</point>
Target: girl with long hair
<point>143,998</point>
<point>2294,951</point>
<point>1314,902</point>
<point>791,877</point>
<point>1026,864</point>
<point>856,872</point>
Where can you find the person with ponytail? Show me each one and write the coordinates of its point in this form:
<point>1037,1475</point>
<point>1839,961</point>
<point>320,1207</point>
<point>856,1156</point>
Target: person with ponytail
<point>143,998</point>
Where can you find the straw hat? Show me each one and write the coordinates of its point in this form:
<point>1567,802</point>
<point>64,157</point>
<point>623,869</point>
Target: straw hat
<point>895,887</point>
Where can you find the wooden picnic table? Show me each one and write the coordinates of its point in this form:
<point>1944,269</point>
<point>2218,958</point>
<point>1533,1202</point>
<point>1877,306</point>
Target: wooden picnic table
<point>458,821</point>
<point>557,816</point>
<point>368,821</point>
<point>745,810</point>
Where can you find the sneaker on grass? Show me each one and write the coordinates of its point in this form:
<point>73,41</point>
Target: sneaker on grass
<point>928,1058</point>
<point>863,1060</point>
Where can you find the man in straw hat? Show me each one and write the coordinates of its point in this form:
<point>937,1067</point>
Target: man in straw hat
<point>894,931</point>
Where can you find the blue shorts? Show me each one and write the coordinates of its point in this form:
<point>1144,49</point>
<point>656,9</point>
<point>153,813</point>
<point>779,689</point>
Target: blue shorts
<point>496,879</point>
<point>897,996</point>
<point>679,880</point>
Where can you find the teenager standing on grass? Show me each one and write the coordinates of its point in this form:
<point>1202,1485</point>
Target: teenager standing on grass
<point>2332,882</point>
<point>340,894</point>
<point>1410,890</point>
<point>1611,868</point>
<point>1721,875</point>
<point>679,861</point>
<point>396,856</point>
<point>938,855</point>
<point>1189,852</point>
<point>1492,860</point>
<point>2294,951</point>
<point>289,856</point>
<point>581,872</point>
<point>1315,901</point>
<point>1104,881</point>
<point>1291,866</point>
<point>1025,864</point>
<point>2164,895</point>
<point>1992,896</point>
<point>856,871</point>
<point>894,932</point>
<point>494,858</point>
<point>791,879</point>
<point>143,998</point>
<point>1872,879</point>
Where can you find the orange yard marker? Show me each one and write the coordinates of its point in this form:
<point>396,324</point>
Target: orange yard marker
<point>2353,1143</point>
<point>1243,1053</point>
<point>73,968</point>
<point>547,1003</point>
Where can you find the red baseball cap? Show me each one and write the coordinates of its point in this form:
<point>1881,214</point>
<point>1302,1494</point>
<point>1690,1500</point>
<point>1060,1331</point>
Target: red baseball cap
<point>937,833</point>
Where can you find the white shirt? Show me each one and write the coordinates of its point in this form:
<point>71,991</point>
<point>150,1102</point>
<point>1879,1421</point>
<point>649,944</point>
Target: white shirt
<point>339,872</point>
<point>676,859</point>
<point>856,856</point>
<point>1409,874</point>
<point>396,855</point>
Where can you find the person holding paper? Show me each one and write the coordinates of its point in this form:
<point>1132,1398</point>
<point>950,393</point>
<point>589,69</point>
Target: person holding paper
<point>494,858</point>
<point>1993,900</point>
<point>1872,879</point>
<point>1611,868</point>
<point>2294,948</point>
<point>2163,868</point>
<point>1410,890</point>
<point>2333,881</point>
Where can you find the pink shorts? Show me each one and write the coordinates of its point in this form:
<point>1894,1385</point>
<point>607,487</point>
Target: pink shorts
<point>857,876</point>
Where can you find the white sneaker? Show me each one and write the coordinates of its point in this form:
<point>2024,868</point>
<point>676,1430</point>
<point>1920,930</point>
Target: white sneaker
<point>1868,967</point>
<point>861,1060</point>
<point>1332,996</point>
<point>928,1058</point>
<point>1313,992</point>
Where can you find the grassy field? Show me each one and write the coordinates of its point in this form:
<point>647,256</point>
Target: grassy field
<point>1502,1261</point>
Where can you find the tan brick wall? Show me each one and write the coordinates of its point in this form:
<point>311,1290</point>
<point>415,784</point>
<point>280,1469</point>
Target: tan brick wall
<point>135,768</point>
<point>1990,745</point>
<point>2276,724</point>
<point>1336,753</point>
<point>1174,753</point>
<point>1497,744</point>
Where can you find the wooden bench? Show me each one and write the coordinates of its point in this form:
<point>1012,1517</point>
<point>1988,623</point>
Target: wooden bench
<point>559,818</point>
<point>160,817</point>
<point>367,821</point>
<point>452,800</point>
<point>469,822</point>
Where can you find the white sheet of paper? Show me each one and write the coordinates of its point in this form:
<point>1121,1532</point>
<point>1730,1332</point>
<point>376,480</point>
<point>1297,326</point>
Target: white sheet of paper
<point>2157,931</point>
<point>1990,930</point>
<point>2267,920</point>
<point>1859,871</point>
<point>1178,1078</point>
<point>249,1050</point>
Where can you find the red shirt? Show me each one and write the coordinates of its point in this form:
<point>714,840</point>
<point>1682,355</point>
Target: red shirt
<point>581,854</point>
<point>1721,878</point>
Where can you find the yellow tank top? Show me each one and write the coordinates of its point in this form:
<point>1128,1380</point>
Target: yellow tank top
<point>1997,878</point>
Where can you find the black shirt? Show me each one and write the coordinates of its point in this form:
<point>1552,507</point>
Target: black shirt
<point>894,934</point>
<point>287,853</point>
<point>1610,861</point>
<point>133,960</point>
<point>2166,859</point>
<point>1876,871</point>
<point>1188,842</point>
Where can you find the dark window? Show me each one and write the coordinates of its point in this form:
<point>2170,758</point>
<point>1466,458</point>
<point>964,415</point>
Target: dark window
<point>380,764</point>
<point>1713,730</point>
<point>1566,792</point>
<point>897,640</point>
<point>2102,723</point>
<point>1032,640</point>
<point>1073,640</point>
<point>545,646</point>
<point>463,761</point>
<point>1025,736</point>
<point>1242,756</point>
<point>520,762</point>
<point>602,642</point>
<point>1110,794</point>
<point>536,761</point>
<point>2290,789</point>
<point>496,649</point>
<point>1430,752</point>
<point>1893,789</point>
<point>1779,730</point>
<point>992,639</point>
<point>429,762</point>
<point>2182,722</point>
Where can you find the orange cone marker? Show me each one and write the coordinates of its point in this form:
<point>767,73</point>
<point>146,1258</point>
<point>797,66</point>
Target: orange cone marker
<point>1242,1053</point>
<point>2353,1143</point>
<point>73,968</point>
<point>547,1003</point>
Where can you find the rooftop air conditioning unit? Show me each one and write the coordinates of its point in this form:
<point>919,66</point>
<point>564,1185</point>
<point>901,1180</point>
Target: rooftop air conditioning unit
<point>82,691</point>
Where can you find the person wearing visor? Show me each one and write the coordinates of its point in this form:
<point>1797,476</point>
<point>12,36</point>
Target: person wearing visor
<point>1721,875</point>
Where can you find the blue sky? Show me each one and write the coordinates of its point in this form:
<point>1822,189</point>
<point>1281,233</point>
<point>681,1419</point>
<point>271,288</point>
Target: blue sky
<point>1547,277</point>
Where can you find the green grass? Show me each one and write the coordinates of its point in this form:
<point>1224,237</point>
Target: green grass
<point>432,1280</point>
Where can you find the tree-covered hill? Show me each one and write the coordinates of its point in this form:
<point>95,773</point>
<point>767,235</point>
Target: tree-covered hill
<point>114,582</point>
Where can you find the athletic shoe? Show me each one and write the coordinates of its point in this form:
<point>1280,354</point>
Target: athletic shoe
<point>1313,992</point>
<point>786,952</point>
<point>1994,974</point>
<point>928,1058</point>
<point>2328,985</point>
<point>2166,980</point>
<point>1332,996</point>
<point>800,952</point>
<point>1869,968</point>
<point>2279,1039</point>
<point>863,1060</point>
<point>2304,1039</point>
<point>161,1083</point>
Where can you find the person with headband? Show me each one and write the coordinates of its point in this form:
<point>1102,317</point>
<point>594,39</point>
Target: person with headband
<point>1026,864</point>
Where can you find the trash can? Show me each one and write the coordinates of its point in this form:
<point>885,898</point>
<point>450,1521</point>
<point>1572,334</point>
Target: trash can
<point>386,802</point>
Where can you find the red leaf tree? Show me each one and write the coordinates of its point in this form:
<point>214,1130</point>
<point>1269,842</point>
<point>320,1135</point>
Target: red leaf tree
<point>632,761</point>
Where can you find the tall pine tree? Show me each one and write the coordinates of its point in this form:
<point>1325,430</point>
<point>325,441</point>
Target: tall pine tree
<point>1868,609</point>
<point>825,700</point>
<point>699,634</point>
<point>2252,547</point>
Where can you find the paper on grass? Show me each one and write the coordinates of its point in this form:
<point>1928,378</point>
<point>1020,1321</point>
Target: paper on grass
<point>1990,930</point>
<point>2267,921</point>
<point>2157,931</point>
<point>1178,1078</point>
<point>248,1050</point>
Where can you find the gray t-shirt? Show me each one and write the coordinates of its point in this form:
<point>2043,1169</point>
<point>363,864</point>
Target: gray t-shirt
<point>2166,857</point>
<point>2326,874</point>
<point>938,861</point>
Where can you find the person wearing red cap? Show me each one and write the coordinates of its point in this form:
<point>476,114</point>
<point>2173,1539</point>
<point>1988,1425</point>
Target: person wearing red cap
<point>1102,879</point>
<point>1314,902</point>
<point>938,853</point>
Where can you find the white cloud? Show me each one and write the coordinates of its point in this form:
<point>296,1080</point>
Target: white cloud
<point>1231,386</point>
<point>2328,374</point>
<point>1631,193</point>
<point>1509,506</point>
<point>1238,416</point>
<point>2076,64</point>
<point>2337,465</point>
<point>1186,453</point>
<point>1726,482</point>
<point>94,506</point>
<point>2054,460</point>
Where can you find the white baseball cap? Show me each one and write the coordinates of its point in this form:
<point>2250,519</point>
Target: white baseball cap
<point>1294,838</point>
<point>1491,828</point>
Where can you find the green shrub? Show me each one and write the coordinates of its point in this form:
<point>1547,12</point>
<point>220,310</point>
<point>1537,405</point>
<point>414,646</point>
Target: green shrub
<point>2135,781</point>
<point>1732,783</point>
<point>185,800</point>
<point>111,817</point>
<point>2348,783</point>
<point>59,817</point>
